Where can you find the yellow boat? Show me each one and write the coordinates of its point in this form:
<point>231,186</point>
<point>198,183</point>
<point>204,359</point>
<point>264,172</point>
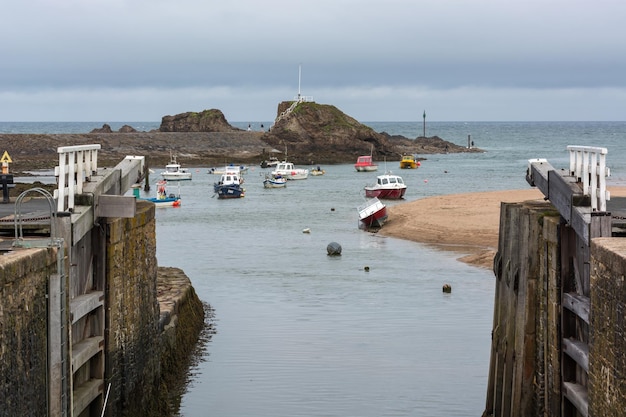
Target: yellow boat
<point>409,162</point>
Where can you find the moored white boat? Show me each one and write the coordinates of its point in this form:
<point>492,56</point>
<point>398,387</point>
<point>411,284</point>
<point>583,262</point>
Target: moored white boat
<point>174,172</point>
<point>289,171</point>
<point>274,181</point>
<point>228,168</point>
<point>387,186</point>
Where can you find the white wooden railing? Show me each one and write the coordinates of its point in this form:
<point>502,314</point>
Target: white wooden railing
<point>76,165</point>
<point>297,100</point>
<point>588,165</point>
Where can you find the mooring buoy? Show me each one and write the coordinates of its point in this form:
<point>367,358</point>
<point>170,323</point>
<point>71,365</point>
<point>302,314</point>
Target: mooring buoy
<point>333,249</point>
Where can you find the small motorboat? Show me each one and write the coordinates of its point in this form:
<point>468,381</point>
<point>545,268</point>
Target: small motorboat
<point>409,162</point>
<point>365,163</point>
<point>270,163</point>
<point>317,171</point>
<point>163,199</point>
<point>274,181</point>
<point>388,186</point>
<point>289,171</point>
<point>372,214</point>
<point>229,185</point>
<point>231,167</point>
<point>174,172</point>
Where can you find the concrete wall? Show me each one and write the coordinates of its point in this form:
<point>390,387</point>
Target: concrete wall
<point>23,331</point>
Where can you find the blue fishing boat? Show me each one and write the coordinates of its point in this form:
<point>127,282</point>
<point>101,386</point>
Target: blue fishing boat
<point>229,185</point>
<point>163,199</point>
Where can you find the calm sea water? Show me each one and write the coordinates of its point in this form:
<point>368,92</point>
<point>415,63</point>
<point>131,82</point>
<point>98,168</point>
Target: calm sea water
<point>299,333</point>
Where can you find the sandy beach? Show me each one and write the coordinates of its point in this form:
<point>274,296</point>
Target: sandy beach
<point>464,223</point>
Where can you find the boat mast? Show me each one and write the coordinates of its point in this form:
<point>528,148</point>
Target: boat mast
<point>299,79</point>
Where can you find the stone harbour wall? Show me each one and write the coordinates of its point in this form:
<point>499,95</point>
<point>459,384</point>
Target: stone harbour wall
<point>132,349</point>
<point>23,331</point>
<point>153,321</point>
<point>607,344</point>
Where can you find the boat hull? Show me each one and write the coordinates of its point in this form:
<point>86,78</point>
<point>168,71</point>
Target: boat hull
<point>294,174</point>
<point>177,177</point>
<point>165,202</point>
<point>229,191</point>
<point>274,184</point>
<point>366,168</point>
<point>385,193</point>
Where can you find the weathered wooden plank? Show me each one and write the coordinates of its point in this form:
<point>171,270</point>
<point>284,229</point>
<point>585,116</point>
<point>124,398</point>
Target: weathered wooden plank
<point>601,225</point>
<point>85,350</point>
<point>85,304</point>
<point>578,304</point>
<point>577,395</point>
<point>578,351</point>
<point>85,394</point>
<point>116,206</point>
<point>537,174</point>
<point>562,192</point>
<point>580,221</point>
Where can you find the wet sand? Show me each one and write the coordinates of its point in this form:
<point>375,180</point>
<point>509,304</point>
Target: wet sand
<point>464,223</point>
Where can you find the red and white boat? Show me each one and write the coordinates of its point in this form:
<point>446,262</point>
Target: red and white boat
<point>365,163</point>
<point>388,186</point>
<point>373,213</point>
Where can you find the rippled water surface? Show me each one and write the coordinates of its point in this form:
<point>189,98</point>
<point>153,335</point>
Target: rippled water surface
<point>300,333</point>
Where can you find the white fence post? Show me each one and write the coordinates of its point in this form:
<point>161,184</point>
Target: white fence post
<point>76,165</point>
<point>588,165</point>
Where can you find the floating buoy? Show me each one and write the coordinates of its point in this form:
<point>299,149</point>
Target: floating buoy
<point>447,288</point>
<point>333,249</point>
<point>425,180</point>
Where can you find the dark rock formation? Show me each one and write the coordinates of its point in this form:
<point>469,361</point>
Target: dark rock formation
<point>313,133</point>
<point>206,121</point>
<point>127,129</point>
<point>104,129</point>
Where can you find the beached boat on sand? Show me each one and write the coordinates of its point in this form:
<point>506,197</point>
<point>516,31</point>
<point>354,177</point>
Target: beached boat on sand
<point>372,214</point>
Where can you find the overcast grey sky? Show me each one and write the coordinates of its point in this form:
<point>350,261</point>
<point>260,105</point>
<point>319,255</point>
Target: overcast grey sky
<point>459,60</point>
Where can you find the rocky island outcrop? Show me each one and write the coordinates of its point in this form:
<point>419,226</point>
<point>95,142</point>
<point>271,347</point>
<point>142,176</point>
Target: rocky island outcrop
<point>307,131</point>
